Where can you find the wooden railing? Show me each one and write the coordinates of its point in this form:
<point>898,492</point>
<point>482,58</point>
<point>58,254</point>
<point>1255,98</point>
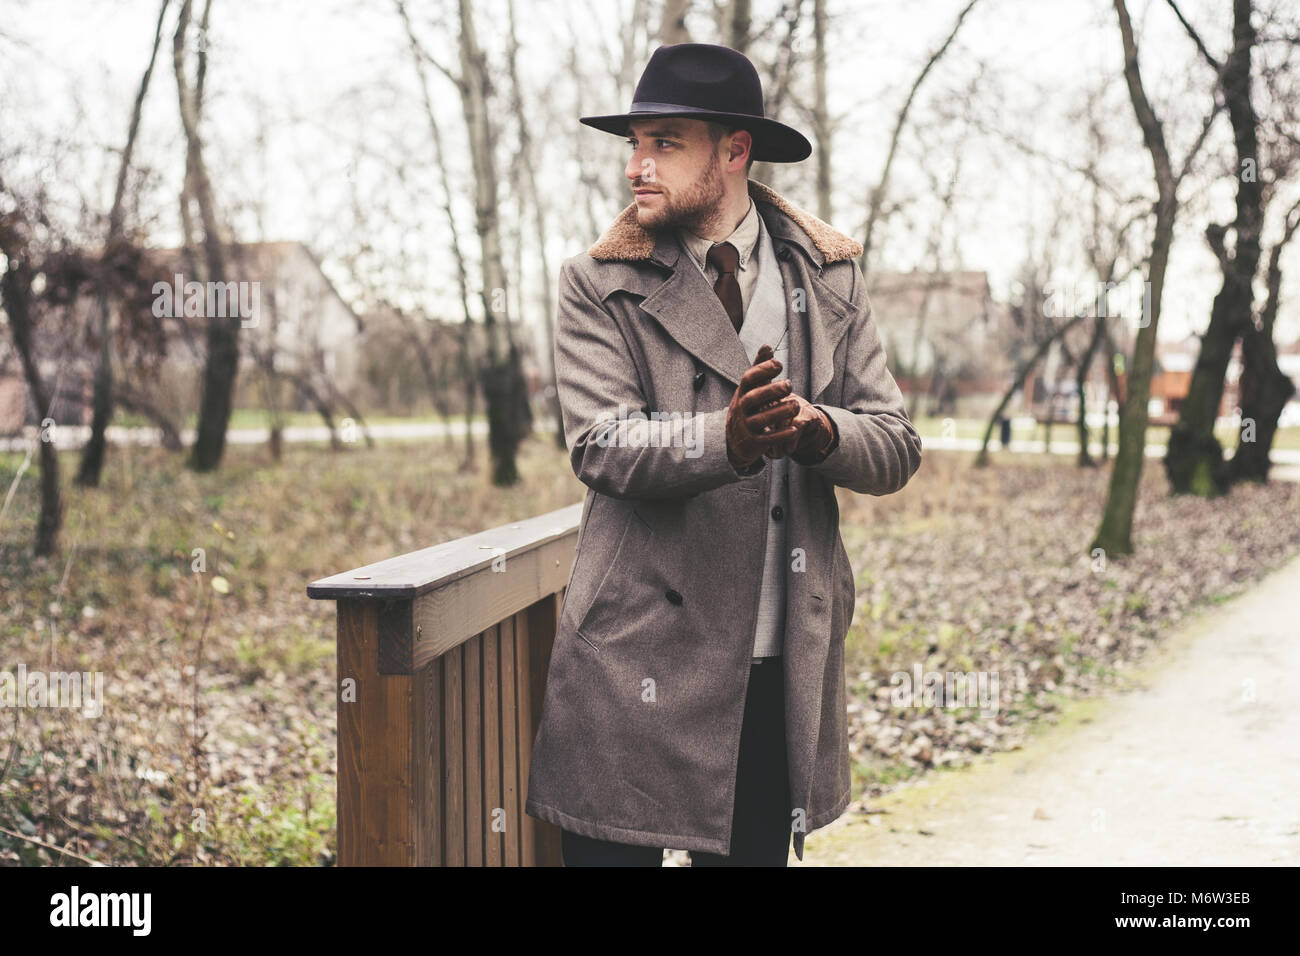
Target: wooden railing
<point>442,658</point>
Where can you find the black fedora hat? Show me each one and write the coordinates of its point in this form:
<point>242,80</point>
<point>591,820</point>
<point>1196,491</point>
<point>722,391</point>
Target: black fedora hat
<point>708,82</point>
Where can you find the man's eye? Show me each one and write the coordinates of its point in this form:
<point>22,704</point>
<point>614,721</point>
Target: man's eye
<point>665,142</point>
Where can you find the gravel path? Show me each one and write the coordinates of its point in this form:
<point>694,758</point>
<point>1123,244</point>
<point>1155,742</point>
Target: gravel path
<point>1198,766</point>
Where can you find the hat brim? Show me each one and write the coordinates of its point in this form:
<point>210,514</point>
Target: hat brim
<point>773,142</point>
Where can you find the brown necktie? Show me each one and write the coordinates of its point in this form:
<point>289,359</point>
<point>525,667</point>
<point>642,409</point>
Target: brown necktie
<point>724,257</point>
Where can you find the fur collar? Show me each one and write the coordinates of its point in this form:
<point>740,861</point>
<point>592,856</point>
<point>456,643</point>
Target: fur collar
<point>625,239</point>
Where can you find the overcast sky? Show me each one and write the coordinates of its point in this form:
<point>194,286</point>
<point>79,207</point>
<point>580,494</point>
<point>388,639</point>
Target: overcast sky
<point>304,95</point>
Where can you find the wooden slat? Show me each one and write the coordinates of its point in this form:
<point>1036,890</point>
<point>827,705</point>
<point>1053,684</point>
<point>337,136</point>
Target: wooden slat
<point>374,756</point>
<point>473,769</point>
<point>543,617</point>
<point>453,772</point>
<point>428,766</point>
<point>511,798</point>
<point>524,730</point>
<point>493,805</point>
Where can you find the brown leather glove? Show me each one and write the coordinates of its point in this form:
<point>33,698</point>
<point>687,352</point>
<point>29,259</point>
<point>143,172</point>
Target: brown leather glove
<point>760,413</point>
<point>815,433</point>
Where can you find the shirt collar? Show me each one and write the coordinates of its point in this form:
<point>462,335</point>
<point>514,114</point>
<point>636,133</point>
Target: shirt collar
<point>743,238</point>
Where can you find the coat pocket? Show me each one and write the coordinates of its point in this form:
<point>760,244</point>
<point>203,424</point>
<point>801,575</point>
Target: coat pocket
<point>615,603</point>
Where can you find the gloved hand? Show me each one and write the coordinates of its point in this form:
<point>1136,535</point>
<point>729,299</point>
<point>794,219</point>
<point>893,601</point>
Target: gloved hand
<point>760,414</point>
<point>815,433</point>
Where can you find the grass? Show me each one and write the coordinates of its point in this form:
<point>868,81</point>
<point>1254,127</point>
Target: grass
<point>217,740</point>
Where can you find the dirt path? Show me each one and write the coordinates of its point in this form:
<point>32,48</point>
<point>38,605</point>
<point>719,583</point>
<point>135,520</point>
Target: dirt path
<point>1200,766</point>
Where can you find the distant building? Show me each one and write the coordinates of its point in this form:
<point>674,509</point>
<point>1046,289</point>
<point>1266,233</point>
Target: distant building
<point>944,336</point>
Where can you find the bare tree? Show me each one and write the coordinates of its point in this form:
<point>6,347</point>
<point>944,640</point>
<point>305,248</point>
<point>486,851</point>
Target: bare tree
<point>1194,460</point>
<point>26,298</point>
<point>875,201</point>
<point>529,162</point>
<point>1265,390</point>
<point>222,361</point>
<point>821,118</point>
<point>501,377</point>
<point>1115,535</point>
<point>1106,247</point>
<point>779,74</point>
<point>469,363</point>
<point>92,455</point>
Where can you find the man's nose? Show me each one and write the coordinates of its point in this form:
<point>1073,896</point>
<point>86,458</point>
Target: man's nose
<point>633,170</point>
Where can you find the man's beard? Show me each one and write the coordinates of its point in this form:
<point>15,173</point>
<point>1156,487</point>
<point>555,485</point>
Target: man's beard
<point>695,208</point>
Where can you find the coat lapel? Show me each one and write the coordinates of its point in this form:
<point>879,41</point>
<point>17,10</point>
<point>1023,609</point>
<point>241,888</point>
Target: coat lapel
<point>690,311</point>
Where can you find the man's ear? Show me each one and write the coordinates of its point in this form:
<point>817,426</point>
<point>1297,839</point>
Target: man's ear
<point>742,146</point>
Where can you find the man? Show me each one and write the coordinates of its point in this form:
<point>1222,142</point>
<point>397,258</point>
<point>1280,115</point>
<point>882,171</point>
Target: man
<point>695,694</point>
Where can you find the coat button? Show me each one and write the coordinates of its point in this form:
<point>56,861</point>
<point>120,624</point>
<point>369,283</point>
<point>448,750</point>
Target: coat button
<point>699,381</point>
<point>673,596</point>
<point>778,513</point>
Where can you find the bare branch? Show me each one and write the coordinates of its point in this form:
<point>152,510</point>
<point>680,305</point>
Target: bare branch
<point>878,193</point>
<point>1209,57</point>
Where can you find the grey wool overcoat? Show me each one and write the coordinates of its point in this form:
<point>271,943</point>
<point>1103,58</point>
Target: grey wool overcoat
<point>645,691</point>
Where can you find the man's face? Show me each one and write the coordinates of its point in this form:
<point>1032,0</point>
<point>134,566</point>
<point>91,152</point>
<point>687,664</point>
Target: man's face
<point>676,173</point>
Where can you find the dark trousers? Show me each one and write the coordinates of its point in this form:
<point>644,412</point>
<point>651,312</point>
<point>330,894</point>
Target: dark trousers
<point>761,821</point>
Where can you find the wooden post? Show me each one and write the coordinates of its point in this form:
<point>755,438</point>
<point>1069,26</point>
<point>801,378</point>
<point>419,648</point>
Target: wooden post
<point>442,660</point>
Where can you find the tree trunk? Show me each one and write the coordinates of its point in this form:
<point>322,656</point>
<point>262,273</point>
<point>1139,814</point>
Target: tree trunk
<point>1112,378</point>
<point>821,118</point>
<point>1080,380</point>
<point>1194,461</point>
<point>499,374</point>
<point>92,455</point>
<point>16,285</point>
<point>539,220</point>
<point>1115,534</point>
<point>222,363</point>
<point>1264,389</point>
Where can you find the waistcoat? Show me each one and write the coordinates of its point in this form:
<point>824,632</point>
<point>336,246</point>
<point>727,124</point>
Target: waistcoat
<point>766,321</point>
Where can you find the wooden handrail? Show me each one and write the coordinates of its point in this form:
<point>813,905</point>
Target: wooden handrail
<point>442,659</point>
